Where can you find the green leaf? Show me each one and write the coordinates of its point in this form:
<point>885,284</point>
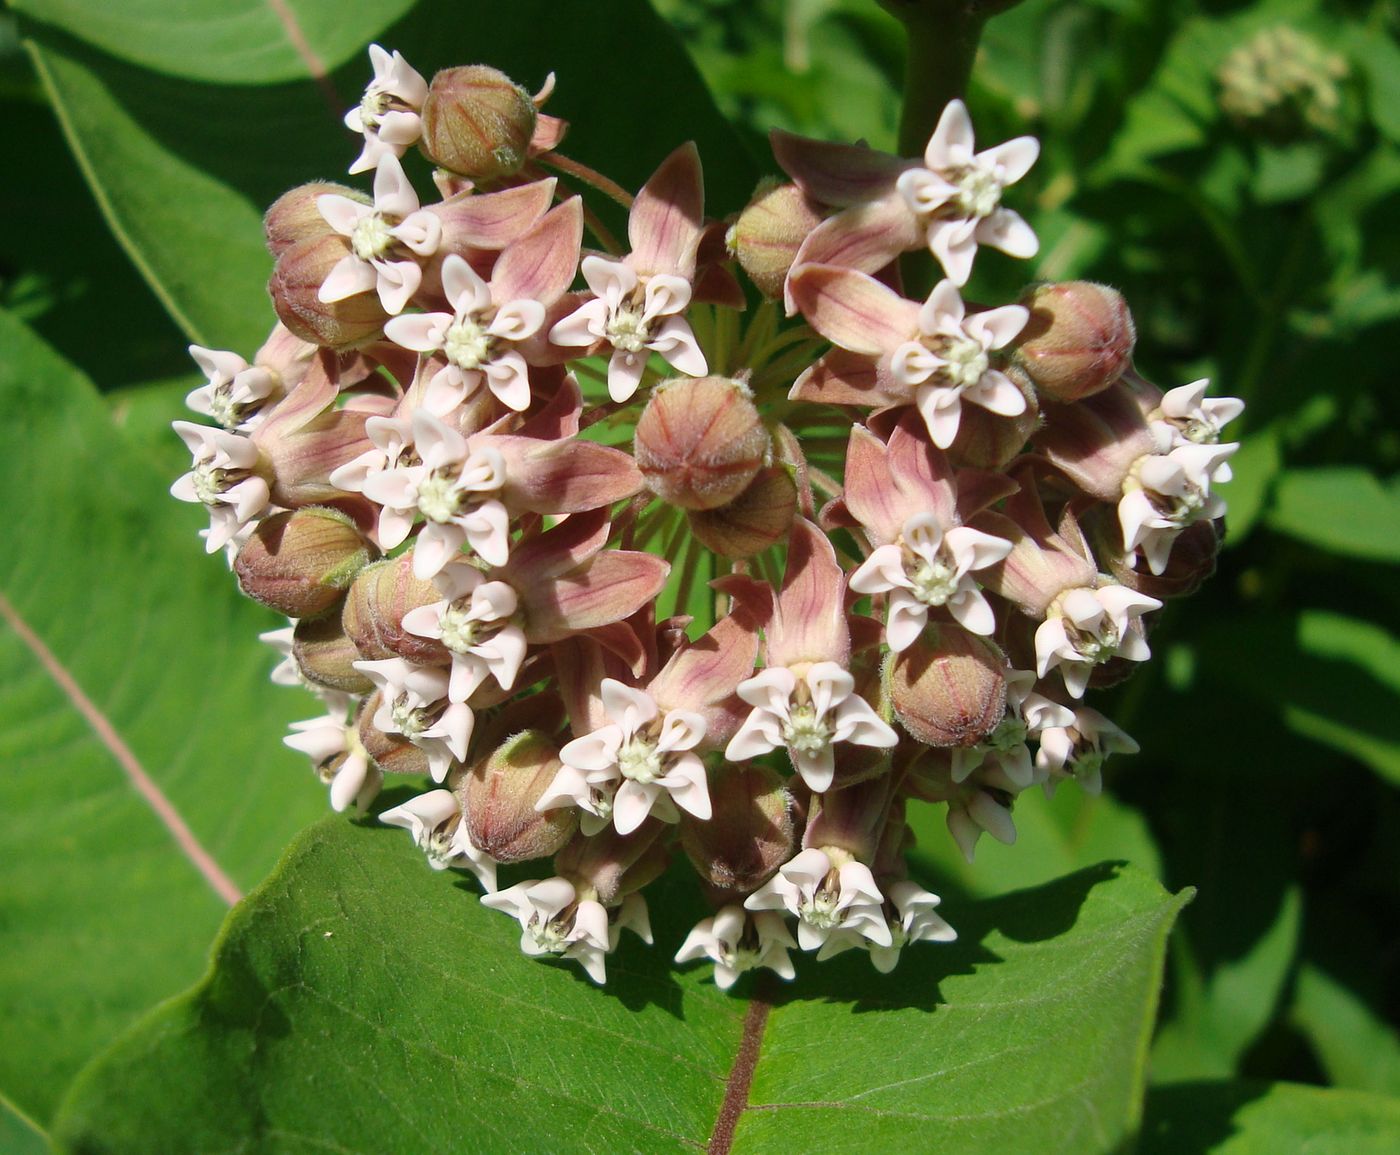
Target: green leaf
<point>1357,1047</point>
<point>1267,1119</point>
<point>1342,509</point>
<point>185,156</point>
<point>20,1135</point>
<point>1255,466</point>
<point>360,1001</point>
<point>131,664</point>
<point>1379,57</point>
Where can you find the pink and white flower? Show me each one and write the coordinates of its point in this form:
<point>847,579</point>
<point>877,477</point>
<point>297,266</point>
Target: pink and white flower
<point>957,194</point>
<point>334,747</point>
<point>1078,748</point>
<point>388,113</point>
<point>1084,627</point>
<point>414,703</point>
<point>827,896</point>
<point>1165,493</point>
<point>435,821</point>
<point>235,391</point>
<point>1028,715</point>
<point>914,921</point>
<point>386,240</point>
<point>473,621</point>
<point>737,940</point>
<point>223,479</point>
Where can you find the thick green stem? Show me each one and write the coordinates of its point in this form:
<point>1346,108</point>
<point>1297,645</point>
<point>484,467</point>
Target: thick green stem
<point>942,45</point>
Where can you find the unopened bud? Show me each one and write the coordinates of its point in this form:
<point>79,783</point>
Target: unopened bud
<point>987,440</point>
<point>499,794</point>
<point>768,233</point>
<point>294,216</point>
<point>295,289</point>
<point>700,442</point>
<point>300,563</point>
<point>325,656</point>
<point>759,517</point>
<point>1097,441</point>
<point>751,832</point>
<point>477,122</point>
<point>949,688</point>
<point>392,753</point>
<point>1078,341</point>
<point>379,597</point>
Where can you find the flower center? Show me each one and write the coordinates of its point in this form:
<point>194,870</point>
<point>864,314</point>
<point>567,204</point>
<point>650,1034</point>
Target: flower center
<point>549,936</point>
<point>370,239</point>
<point>806,731</point>
<point>967,361</point>
<point>1094,647</point>
<point>461,632</point>
<point>820,910</point>
<point>934,581</point>
<point>210,483</point>
<point>438,845</point>
<point>467,345</point>
<point>373,105</point>
<point>979,191</point>
<point>439,499</point>
<point>1087,762</point>
<point>639,759</point>
<point>408,719</point>
<point>1200,432</point>
<point>627,331</point>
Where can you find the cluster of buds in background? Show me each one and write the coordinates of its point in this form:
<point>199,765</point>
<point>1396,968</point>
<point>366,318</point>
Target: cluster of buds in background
<point>632,562</point>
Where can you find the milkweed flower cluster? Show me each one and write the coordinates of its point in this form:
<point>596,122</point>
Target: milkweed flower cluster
<point>622,567</point>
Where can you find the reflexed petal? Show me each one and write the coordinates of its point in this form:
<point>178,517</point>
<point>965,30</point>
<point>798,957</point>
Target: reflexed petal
<point>999,326</point>
<point>1014,158</point>
<point>463,287</point>
<point>1005,230</point>
<point>421,332</point>
<point>952,142</point>
<point>675,341</point>
<point>996,393</point>
<point>349,276</point>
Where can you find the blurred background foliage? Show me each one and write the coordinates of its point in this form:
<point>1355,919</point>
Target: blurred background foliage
<point>1240,185</point>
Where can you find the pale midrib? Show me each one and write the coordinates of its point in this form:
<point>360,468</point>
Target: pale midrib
<point>145,785</point>
<point>315,66</point>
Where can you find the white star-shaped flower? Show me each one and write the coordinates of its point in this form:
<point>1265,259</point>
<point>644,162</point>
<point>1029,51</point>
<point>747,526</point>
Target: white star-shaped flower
<point>1165,493</point>
<point>474,622</point>
<point>435,821</point>
<point>636,316</point>
<point>235,390</point>
<point>643,760</point>
<point>476,339</point>
<point>1078,749</point>
<point>414,703</point>
<point>1193,417</point>
<point>914,920</point>
<point>808,715</point>
<point>386,240</point>
<point>949,362</point>
<point>335,749</point>
<point>1027,715</point>
<point>454,487</point>
<point>736,940</point>
<point>388,113</point>
<point>554,921</point>
<point>930,567</point>
<point>983,804</point>
<point>825,898</point>
<point>1084,627</point>
<point>957,194</point>
<point>222,479</point>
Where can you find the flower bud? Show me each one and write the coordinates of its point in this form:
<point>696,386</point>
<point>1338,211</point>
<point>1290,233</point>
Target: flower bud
<point>1078,340</point>
<point>379,597</point>
<point>949,688</point>
<point>299,563</point>
<point>499,794</point>
<point>477,122</point>
<point>751,832</point>
<point>1097,441</point>
<point>325,655</point>
<point>700,442</point>
<point>759,517</point>
<point>987,440</point>
<point>851,819</point>
<point>392,753</point>
<point>294,216</point>
<point>768,233</point>
<point>295,287</point>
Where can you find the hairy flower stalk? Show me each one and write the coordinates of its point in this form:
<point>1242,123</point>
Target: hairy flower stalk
<point>619,574</point>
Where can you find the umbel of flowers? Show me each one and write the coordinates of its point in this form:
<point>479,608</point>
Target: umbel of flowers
<point>621,562</point>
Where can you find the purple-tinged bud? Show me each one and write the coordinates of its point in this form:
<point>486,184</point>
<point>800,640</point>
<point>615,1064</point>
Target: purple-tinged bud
<point>373,616</point>
<point>987,440</point>
<point>499,794</point>
<point>949,687</point>
<point>294,216</point>
<point>477,122</point>
<point>325,656</point>
<point>1078,341</point>
<point>1192,559</point>
<point>392,753</point>
<point>614,865</point>
<point>758,518</point>
<point>751,832</point>
<point>1096,442</point>
<point>300,563</point>
<point>700,442</point>
<point>295,289</point>
<point>768,233</point>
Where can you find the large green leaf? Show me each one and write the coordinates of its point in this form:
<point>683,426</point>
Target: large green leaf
<point>1268,1119</point>
<point>131,665</point>
<point>184,155</point>
<point>1344,510</point>
<point>359,1002</point>
<point>1355,1044</point>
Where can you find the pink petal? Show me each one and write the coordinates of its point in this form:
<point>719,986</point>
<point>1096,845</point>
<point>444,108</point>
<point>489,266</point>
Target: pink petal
<point>852,310</point>
<point>540,265</point>
<point>836,174</point>
<point>810,623</point>
<point>668,215</point>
